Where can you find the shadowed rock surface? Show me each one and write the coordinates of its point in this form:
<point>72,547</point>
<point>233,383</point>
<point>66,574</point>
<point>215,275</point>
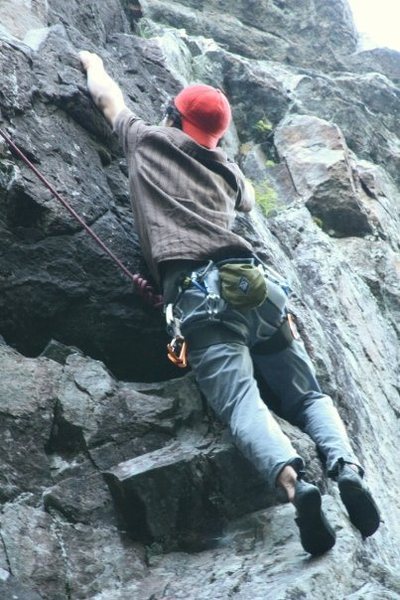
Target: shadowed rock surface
<point>116,482</point>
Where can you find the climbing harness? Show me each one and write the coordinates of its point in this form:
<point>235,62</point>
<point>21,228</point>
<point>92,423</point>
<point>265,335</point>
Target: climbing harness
<point>207,280</point>
<point>144,289</point>
<point>198,279</point>
<point>177,349</point>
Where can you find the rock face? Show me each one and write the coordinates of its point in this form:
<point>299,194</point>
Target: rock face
<point>116,482</point>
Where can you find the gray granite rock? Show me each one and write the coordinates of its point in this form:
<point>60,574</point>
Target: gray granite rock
<point>34,550</point>
<point>316,121</point>
<point>28,392</point>
<point>320,166</point>
<point>184,494</point>
<point>181,496</point>
<point>13,589</point>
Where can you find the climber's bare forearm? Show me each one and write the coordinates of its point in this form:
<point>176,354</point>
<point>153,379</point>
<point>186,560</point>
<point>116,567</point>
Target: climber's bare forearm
<point>105,92</point>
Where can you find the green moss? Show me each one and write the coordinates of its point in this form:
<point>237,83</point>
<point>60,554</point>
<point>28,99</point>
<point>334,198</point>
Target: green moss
<point>263,126</point>
<point>266,197</point>
<point>261,130</point>
<point>145,29</point>
<point>319,222</point>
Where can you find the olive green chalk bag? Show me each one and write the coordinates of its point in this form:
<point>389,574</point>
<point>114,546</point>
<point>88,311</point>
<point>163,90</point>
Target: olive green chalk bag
<point>243,285</point>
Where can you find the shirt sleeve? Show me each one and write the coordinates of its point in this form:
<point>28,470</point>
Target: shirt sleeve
<point>129,128</point>
<point>245,196</point>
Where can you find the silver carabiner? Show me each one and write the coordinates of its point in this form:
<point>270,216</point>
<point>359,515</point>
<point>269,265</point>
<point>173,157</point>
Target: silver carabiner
<point>213,301</point>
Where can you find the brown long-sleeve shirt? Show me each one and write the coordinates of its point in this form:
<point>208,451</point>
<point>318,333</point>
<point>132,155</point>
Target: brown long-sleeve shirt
<point>184,196</point>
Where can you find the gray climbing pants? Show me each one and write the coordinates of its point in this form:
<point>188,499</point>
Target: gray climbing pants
<point>224,372</point>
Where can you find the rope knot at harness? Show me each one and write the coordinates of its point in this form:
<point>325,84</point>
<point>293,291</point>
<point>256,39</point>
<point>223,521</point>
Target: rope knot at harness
<point>143,287</point>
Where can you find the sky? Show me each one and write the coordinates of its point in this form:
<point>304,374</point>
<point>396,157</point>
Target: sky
<point>379,20</point>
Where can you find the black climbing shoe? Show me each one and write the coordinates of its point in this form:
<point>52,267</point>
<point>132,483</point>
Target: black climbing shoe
<point>363,512</point>
<point>316,535</point>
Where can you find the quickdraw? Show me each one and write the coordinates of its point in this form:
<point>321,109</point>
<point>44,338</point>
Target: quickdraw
<point>177,352</point>
<point>177,348</point>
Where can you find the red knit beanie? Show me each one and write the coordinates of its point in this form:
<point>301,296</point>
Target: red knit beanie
<point>205,112</point>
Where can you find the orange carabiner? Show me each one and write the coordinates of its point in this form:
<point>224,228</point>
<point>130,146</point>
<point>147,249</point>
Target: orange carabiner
<point>177,352</point>
<point>293,327</point>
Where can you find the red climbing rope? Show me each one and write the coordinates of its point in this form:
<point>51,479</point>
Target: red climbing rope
<point>145,290</point>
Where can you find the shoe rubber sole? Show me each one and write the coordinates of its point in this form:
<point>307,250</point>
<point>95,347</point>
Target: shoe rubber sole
<point>360,505</point>
<point>316,535</point>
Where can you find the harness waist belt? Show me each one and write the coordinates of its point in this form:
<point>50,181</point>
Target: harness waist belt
<point>210,335</point>
<point>219,334</point>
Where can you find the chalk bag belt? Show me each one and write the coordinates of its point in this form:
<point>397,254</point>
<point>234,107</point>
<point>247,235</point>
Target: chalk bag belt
<point>281,339</point>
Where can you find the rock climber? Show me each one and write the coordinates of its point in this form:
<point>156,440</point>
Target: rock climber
<point>229,307</point>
